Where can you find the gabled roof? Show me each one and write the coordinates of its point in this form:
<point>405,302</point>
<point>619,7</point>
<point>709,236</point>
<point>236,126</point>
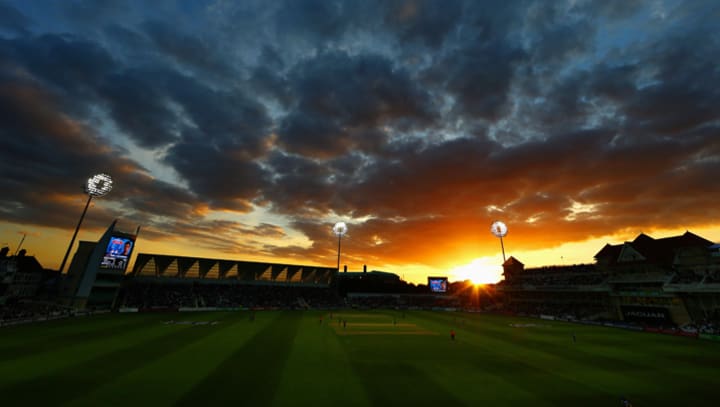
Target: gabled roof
<point>512,261</point>
<point>653,250</point>
<point>609,251</point>
<point>628,253</point>
<point>687,239</point>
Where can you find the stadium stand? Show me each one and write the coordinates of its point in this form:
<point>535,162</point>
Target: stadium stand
<point>172,282</point>
<point>670,285</point>
<point>191,294</point>
<point>667,283</point>
<point>402,301</point>
<point>166,266</point>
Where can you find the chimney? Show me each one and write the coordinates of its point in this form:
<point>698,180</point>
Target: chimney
<point>364,268</point>
<point>345,268</point>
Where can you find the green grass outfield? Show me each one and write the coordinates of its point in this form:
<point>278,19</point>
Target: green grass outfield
<point>286,358</point>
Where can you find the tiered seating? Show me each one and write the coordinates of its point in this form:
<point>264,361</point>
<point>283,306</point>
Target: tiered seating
<point>176,295</point>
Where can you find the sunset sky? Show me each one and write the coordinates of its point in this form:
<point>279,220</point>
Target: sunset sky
<point>246,129</point>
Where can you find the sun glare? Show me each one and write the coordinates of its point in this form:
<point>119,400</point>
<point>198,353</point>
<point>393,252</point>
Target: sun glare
<point>484,270</point>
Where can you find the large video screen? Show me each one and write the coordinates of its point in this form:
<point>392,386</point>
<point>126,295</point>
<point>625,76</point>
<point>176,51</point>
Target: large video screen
<point>117,253</point>
<point>438,284</point>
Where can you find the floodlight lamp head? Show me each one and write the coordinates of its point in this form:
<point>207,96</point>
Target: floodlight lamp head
<point>340,228</point>
<point>499,229</point>
<point>98,185</point>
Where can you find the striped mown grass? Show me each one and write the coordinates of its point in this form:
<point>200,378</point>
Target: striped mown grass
<point>379,358</point>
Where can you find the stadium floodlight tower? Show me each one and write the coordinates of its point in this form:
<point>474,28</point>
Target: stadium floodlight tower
<point>339,229</point>
<point>499,229</point>
<point>96,186</point>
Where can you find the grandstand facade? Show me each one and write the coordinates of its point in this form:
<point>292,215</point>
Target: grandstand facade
<point>168,282</point>
<point>673,281</point>
<point>202,269</point>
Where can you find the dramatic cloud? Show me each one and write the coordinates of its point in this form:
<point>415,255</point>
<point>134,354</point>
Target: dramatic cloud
<point>13,21</point>
<point>338,97</point>
<point>185,49</point>
<point>47,156</point>
<point>250,127</point>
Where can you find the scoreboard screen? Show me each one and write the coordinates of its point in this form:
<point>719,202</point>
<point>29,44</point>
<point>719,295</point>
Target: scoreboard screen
<point>117,253</point>
<point>438,284</point>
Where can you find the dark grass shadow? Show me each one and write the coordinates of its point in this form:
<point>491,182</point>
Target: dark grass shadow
<point>41,344</point>
<point>389,384</point>
<point>250,375</point>
<point>57,387</point>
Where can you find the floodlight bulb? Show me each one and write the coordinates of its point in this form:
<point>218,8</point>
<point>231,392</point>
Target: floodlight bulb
<point>499,229</point>
<point>99,185</point>
<point>340,228</point>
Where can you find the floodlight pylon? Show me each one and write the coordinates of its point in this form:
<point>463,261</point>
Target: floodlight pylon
<point>96,186</point>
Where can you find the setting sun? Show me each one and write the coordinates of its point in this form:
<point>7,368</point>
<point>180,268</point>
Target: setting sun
<point>484,270</point>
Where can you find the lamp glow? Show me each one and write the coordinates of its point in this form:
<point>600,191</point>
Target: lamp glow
<point>340,229</point>
<point>99,185</point>
<point>500,230</point>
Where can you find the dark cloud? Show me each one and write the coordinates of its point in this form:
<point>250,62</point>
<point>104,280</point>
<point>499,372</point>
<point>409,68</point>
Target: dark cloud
<point>46,156</point>
<point>478,76</point>
<point>268,78</point>
<point>13,21</point>
<point>224,178</point>
<point>677,97</point>
<point>317,20</point>
<point>140,109</point>
<point>138,194</point>
<point>300,186</point>
<point>612,83</point>
<point>269,83</point>
<point>88,12</point>
<point>424,181</point>
<point>426,21</point>
<point>358,90</point>
<point>187,50</point>
<point>337,96</point>
<point>125,39</point>
<point>64,63</point>
<point>34,133</point>
<point>614,9</point>
<point>313,135</point>
<point>217,151</point>
<point>558,33</point>
<point>225,118</point>
<point>154,107</point>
